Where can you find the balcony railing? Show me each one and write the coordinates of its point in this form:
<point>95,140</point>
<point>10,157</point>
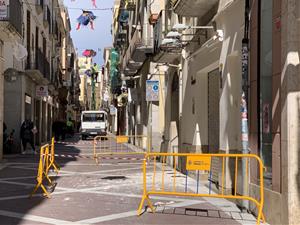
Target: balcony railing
<point>164,53</point>
<point>130,4</point>
<point>13,15</point>
<point>195,8</point>
<point>40,63</point>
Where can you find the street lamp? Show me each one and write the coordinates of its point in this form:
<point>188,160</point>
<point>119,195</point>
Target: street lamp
<point>124,78</point>
<point>167,41</point>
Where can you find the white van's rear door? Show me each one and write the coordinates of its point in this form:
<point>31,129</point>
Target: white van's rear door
<point>93,121</point>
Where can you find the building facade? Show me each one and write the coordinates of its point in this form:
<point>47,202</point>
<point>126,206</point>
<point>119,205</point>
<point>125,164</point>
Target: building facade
<point>35,59</point>
<point>194,50</point>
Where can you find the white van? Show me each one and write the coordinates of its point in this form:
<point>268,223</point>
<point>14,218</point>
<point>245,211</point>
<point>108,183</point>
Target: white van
<point>93,123</point>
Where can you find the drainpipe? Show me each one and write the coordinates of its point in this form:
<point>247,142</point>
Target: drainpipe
<point>244,104</point>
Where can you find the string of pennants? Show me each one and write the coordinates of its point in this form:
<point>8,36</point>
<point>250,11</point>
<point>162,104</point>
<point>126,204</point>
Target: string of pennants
<point>93,2</point>
<point>87,17</point>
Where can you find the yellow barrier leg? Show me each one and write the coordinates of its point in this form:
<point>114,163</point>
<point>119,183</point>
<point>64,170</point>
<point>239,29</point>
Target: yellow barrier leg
<point>48,178</point>
<point>263,217</point>
<point>260,216</point>
<point>56,167</point>
<point>35,189</point>
<point>150,204</point>
<point>45,191</point>
<point>141,206</point>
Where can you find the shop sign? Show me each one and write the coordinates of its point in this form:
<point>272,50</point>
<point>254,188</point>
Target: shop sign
<point>41,91</point>
<point>198,163</point>
<point>27,99</point>
<point>4,6</point>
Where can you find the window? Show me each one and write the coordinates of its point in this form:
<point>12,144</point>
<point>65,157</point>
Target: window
<point>265,88</point>
<point>93,117</point>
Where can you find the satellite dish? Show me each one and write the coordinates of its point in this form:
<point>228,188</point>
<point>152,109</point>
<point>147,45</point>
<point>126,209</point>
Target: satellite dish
<point>20,52</point>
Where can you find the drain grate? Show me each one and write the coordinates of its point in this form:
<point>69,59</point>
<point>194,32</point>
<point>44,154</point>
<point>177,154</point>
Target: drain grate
<point>114,178</point>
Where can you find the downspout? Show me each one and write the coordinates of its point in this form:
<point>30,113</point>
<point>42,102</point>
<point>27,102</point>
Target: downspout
<point>244,105</point>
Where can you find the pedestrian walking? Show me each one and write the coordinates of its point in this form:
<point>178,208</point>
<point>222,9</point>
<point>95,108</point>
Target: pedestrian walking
<point>70,127</point>
<point>27,133</point>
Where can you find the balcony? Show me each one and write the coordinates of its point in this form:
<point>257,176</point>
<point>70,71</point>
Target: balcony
<point>131,5</point>
<point>136,54</point>
<point>54,30</point>
<point>194,8</point>
<point>164,53</point>
<point>38,68</point>
<point>14,16</point>
<point>39,5</point>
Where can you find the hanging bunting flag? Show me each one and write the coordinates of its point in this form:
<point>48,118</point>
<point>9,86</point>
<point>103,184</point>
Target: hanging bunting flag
<point>93,2</point>
<point>87,17</point>
<point>89,53</point>
<point>88,73</point>
<point>124,17</point>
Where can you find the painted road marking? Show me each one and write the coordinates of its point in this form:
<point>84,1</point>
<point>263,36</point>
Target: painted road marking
<point>35,218</point>
<point>130,213</point>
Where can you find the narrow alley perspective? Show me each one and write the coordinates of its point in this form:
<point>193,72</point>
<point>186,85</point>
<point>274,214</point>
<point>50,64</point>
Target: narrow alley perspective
<point>149,112</point>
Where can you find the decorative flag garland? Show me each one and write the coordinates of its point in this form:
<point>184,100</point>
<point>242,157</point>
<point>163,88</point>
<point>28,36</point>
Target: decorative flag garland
<point>89,53</point>
<point>93,2</point>
<point>87,17</point>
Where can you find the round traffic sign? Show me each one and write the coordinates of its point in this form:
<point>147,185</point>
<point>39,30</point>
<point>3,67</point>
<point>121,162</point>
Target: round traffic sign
<point>155,87</point>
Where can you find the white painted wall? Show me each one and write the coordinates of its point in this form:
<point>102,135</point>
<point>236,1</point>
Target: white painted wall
<point>231,22</point>
<point>195,126</point>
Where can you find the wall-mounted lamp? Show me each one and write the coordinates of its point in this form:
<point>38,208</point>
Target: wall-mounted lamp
<point>125,78</point>
<point>173,34</point>
<point>181,27</point>
<point>167,41</point>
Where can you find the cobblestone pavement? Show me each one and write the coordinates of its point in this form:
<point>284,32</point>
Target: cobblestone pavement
<point>108,193</point>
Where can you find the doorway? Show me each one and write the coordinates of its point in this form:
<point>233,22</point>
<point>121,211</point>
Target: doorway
<point>214,119</point>
<point>37,121</point>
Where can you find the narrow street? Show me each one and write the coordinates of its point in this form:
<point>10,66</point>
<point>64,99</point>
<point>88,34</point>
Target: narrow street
<point>108,193</point>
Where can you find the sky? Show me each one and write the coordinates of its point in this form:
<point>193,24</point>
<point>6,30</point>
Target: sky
<point>86,38</point>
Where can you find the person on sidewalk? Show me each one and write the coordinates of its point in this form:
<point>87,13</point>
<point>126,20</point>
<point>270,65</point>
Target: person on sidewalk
<point>70,127</point>
<point>27,132</point>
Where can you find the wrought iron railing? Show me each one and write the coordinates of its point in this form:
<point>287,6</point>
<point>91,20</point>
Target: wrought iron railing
<point>40,63</point>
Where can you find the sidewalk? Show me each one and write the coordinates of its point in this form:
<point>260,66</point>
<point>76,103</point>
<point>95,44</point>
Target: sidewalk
<point>108,193</point>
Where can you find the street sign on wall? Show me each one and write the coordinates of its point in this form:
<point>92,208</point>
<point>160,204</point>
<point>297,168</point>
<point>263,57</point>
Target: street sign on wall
<point>41,91</point>
<point>152,90</point>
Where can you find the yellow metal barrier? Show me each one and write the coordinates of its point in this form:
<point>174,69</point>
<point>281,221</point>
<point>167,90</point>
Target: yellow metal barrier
<point>195,163</point>
<point>42,171</point>
<point>52,162</point>
<point>119,145</point>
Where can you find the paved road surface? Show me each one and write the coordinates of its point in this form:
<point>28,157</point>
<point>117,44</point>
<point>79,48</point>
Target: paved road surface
<point>87,193</point>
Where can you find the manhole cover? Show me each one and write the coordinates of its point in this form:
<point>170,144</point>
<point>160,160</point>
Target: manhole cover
<point>114,178</point>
